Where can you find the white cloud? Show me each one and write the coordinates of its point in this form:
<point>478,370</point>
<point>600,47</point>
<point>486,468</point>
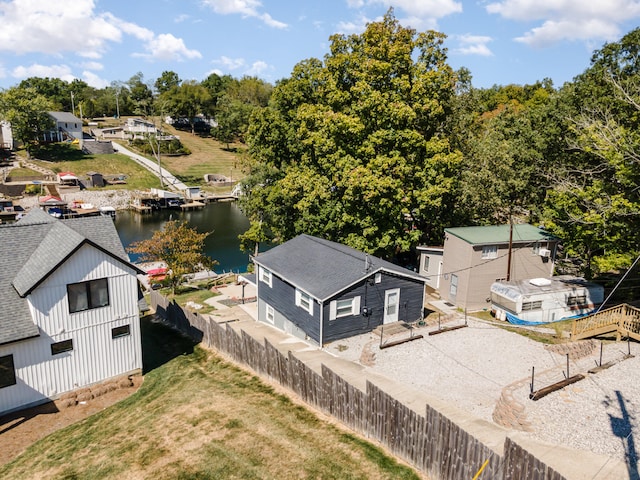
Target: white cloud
<point>246,8</point>
<point>473,45</point>
<point>166,47</point>
<point>42,26</point>
<point>36,70</point>
<point>568,19</point>
<point>94,80</point>
<point>92,66</point>
<point>230,63</point>
<point>257,68</point>
<point>181,18</point>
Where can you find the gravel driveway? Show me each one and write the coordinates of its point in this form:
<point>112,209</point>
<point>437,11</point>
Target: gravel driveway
<point>483,369</point>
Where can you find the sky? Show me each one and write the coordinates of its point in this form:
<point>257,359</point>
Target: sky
<point>100,41</point>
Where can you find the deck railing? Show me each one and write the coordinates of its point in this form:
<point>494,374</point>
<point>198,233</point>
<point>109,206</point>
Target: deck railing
<point>623,319</point>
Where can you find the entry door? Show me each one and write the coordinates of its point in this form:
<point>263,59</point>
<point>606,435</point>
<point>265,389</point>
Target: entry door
<point>391,304</point>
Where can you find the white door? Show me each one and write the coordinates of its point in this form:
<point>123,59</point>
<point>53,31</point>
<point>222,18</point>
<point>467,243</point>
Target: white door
<point>391,304</point>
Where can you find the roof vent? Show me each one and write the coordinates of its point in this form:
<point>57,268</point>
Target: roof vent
<point>540,282</point>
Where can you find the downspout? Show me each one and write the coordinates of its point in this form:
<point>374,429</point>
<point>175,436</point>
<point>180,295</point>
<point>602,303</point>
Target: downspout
<point>321,322</point>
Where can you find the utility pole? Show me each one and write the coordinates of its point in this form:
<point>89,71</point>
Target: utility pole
<point>73,106</point>
<point>117,104</point>
<point>510,247</point>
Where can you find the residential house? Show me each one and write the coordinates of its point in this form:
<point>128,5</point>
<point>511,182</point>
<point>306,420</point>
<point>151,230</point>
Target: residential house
<point>138,127</point>
<point>323,291</point>
<point>6,136</point>
<point>430,266</point>
<point>68,127</point>
<point>476,257</point>
<point>69,308</point>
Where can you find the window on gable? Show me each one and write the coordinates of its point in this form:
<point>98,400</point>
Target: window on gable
<point>490,251</point>
<point>425,263</point>
<point>304,301</point>
<point>344,308</point>
<point>7,371</point>
<point>265,276</point>
<point>121,331</point>
<point>88,295</point>
<point>61,347</point>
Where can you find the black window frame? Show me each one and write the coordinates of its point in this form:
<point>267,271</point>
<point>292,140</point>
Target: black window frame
<point>7,371</point>
<point>91,302</point>
<point>62,346</point>
<point>116,331</point>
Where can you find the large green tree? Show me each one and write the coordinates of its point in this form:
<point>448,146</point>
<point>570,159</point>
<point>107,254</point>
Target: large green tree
<point>27,112</point>
<point>595,203</point>
<point>354,149</point>
<point>187,100</point>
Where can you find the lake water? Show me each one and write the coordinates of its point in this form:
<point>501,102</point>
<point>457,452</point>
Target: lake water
<point>224,220</point>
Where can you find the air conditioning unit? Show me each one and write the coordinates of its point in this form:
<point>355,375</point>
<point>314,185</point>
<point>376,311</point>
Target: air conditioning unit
<point>544,252</point>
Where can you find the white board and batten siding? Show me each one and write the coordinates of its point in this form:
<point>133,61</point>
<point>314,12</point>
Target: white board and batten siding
<point>96,356</point>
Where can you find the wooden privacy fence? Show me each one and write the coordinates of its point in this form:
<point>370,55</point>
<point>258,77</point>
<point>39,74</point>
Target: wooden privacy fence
<point>429,441</point>
<point>623,319</point>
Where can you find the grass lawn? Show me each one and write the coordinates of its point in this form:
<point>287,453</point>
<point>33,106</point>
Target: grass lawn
<point>207,156</point>
<point>199,417</point>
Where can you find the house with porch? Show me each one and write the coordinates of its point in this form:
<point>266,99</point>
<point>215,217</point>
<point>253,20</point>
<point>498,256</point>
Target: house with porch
<point>322,291</point>
<point>67,127</point>
<point>69,308</point>
<point>475,257</point>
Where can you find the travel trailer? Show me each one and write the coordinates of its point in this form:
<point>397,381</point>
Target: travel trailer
<point>544,300</point>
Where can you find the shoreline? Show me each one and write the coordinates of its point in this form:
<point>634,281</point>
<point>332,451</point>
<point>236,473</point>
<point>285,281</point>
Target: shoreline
<point>118,199</point>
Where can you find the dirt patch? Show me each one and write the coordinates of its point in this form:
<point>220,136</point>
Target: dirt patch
<point>20,429</point>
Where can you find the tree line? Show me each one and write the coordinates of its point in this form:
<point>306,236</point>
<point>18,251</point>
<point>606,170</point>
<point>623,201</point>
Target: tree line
<point>381,145</point>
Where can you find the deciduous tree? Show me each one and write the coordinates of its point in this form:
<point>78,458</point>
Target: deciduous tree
<point>179,246</point>
<point>355,147</point>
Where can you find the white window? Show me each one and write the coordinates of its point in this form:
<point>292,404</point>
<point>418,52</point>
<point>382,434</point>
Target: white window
<point>344,308</point>
<point>378,277</point>
<point>453,290</point>
<point>265,276</point>
<point>304,301</point>
<point>425,263</point>
<point>271,314</point>
<point>490,251</point>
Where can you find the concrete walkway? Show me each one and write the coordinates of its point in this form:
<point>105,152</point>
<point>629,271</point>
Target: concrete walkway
<point>167,177</point>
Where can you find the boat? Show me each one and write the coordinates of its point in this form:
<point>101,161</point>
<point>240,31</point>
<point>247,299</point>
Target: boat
<point>108,211</point>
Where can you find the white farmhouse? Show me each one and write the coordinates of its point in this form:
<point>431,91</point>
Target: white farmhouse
<point>69,314</point>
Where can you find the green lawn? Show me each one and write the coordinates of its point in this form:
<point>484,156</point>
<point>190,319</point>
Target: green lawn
<point>198,417</point>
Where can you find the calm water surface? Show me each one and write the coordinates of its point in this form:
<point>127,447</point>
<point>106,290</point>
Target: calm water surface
<point>223,220</point>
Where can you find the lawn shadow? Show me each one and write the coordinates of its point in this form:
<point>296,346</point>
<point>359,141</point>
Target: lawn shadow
<point>161,343</point>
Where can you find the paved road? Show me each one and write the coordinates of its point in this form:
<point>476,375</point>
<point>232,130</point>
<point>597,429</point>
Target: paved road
<point>170,182</point>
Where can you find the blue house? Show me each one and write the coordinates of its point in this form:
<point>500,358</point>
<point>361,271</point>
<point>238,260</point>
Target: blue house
<point>323,291</point>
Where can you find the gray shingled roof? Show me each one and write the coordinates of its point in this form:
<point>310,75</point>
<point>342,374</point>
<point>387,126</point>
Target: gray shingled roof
<point>33,248</point>
<point>66,117</point>
<point>323,268</point>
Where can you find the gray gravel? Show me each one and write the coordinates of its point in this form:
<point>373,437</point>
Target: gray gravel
<point>471,366</point>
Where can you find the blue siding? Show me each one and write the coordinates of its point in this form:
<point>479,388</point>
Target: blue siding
<point>372,297</point>
<point>282,297</point>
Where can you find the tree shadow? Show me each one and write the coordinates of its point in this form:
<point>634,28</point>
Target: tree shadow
<point>161,343</point>
<point>623,429</point>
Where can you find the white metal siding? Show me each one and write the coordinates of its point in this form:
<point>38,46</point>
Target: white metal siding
<point>95,356</point>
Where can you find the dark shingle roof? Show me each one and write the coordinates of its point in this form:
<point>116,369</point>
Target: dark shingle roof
<point>323,268</point>
<point>33,248</point>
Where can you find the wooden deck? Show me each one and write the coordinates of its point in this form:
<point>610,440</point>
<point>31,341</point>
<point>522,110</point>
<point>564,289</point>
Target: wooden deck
<point>624,320</point>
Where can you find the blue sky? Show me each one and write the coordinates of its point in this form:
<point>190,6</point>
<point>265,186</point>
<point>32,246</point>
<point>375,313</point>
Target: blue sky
<point>100,41</point>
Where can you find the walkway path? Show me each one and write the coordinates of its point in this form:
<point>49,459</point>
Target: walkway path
<point>167,177</point>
